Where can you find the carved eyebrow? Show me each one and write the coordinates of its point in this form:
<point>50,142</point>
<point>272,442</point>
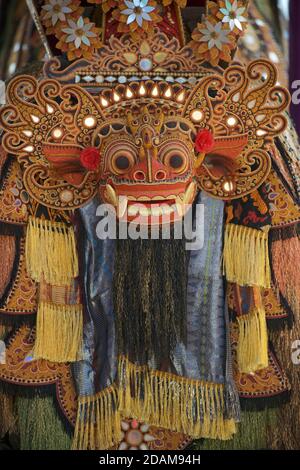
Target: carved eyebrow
<point>115,126</point>
<point>171,124</point>
<point>104,131</point>
<point>181,126</point>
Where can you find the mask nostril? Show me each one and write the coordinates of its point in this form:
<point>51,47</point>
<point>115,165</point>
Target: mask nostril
<point>139,176</point>
<point>160,175</point>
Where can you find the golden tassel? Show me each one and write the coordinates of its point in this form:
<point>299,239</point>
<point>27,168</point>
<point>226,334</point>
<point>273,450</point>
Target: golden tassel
<point>59,331</point>
<point>246,256</point>
<point>193,407</point>
<point>162,399</point>
<point>252,349</point>
<point>51,252</point>
<point>98,425</point>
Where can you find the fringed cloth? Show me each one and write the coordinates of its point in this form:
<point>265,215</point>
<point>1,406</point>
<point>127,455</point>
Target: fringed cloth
<point>192,390</point>
<point>252,350</point>
<point>253,433</point>
<point>51,252</point>
<point>246,256</point>
<point>194,407</point>
<point>246,263</point>
<point>59,332</point>
<point>252,347</point>
<point>51,260</point>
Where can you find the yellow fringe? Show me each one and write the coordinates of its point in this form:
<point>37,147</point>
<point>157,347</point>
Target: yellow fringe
<point>98,425</point>
<point>192,407</point>
<point>59,332</point>
<point>252,349</point>
<point>246,256</point>
<point>51,252</point>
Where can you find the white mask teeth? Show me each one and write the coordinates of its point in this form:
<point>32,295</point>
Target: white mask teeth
<point>144,211</point>
<point>133,210</point>
<point>158,210</point>
<point>154,210</point>
<point>122,207</point>
<point>167,210</point>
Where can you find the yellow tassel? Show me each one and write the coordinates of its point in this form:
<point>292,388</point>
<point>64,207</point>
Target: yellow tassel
<point>193,407</point>
<point>51,252</point>
<point>246,256</point>
<point>161,399</point>
<point>98,424</point>
<point>252,349</point>
<point>59,332</point>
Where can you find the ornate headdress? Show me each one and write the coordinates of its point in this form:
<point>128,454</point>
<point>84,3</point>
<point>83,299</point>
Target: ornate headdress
<point>145,117</point>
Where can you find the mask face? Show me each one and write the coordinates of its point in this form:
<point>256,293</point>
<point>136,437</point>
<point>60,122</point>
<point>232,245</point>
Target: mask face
<point>148,166</point>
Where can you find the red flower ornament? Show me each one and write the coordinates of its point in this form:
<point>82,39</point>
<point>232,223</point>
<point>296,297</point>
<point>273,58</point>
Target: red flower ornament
<point>204,141</point>
<point>90,158</point>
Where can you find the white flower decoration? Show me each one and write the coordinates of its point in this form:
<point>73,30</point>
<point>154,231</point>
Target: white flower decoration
<point>138,10</point>
<point>57,10</point>
<point>79,32</point>
<point>233,15</point>
<point>214,35</point>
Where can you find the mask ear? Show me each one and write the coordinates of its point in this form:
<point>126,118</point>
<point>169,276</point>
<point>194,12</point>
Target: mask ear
<point>243,110</point>
<point>222,159</point>
<point>47,125</point>
<point>65,162</point>
<point>227,178</point>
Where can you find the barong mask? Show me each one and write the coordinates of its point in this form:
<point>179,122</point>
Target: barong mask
<point>149,143</point>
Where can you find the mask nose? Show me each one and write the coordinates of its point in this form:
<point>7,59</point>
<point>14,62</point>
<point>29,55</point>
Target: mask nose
<point>149,170</point>
<point>157,172</point>
<point>160,175</point>
<point>139,175</point>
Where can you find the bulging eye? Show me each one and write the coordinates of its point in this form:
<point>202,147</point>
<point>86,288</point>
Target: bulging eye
<point>175,160</point>
<point>122,162</point>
